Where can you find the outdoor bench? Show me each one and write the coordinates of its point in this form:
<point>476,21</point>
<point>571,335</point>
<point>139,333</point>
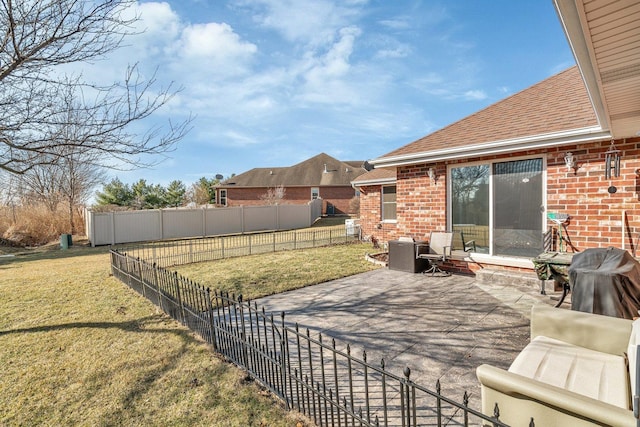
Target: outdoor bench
<point>576,371</point>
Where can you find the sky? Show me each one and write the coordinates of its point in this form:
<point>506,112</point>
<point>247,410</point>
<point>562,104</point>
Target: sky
<point>271,83</point>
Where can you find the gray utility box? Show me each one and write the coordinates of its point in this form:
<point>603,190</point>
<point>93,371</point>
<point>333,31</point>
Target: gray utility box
<point>402,256</point>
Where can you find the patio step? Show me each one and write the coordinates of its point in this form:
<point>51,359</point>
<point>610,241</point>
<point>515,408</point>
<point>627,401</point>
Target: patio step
<point>507,277</point>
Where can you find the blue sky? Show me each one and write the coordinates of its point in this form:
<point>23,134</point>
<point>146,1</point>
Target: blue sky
<point>274,82</point>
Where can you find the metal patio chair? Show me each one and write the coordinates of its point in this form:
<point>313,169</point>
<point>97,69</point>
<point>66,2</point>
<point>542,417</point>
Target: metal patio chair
<point>439,251</point>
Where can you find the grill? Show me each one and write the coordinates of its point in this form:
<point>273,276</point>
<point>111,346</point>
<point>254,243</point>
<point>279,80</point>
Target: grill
<point>605,281</point>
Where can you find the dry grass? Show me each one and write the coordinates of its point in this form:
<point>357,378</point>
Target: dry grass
<point>34,224</point>
<point>78,347</point>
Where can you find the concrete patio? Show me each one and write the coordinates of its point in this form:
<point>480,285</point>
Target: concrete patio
<point>442,328</point>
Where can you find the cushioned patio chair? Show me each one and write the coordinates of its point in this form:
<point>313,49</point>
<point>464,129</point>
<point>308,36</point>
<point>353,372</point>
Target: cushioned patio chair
<point>437,252</point>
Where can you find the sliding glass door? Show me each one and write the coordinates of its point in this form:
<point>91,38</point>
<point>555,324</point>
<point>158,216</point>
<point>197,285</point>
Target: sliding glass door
<point>496,207</point>
<point>517,208</point>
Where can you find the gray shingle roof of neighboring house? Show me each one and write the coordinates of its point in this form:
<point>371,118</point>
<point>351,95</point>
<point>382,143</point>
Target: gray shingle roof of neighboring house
<point>318,171</point>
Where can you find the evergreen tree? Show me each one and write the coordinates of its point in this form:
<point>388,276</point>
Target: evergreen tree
<point>114,193</point>
<point>175,194</point>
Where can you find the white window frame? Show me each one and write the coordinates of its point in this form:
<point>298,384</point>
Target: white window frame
<point>223,197</point>
<point>382,203</point>
<point>315,193</point>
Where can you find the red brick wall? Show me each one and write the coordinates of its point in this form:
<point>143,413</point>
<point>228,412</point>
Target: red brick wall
<point>371,216</point>
<point>421,201</point>
<point>598,219</point>
<point>339,197</point>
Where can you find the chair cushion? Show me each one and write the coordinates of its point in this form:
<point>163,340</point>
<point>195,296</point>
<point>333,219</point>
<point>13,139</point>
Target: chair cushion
<point>597,375</point>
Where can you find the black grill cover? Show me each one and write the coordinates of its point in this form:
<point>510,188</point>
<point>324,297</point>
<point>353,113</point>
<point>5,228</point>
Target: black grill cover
<point>605,281</point>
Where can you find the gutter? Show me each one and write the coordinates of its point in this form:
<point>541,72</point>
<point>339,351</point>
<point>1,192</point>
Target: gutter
<point>572,137</point>
<point>380,181</point>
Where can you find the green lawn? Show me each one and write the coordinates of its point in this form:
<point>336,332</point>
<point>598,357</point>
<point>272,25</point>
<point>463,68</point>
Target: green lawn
<point>77,347</point>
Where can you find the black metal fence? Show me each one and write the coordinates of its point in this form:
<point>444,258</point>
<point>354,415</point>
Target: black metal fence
<point>328,384</point>
<point>180,252</point>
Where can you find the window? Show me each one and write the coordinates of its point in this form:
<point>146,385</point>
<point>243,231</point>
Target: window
<point>389,203</point>
<point>223,197</point>
<point>470,206</point>
<point>497,207</point>
<point>315,193</point>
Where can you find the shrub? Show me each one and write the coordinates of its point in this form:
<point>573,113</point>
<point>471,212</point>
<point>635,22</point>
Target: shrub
<point>34,224</point>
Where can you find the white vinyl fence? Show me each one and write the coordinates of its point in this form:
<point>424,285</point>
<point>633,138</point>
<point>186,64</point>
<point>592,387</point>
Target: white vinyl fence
<point>110,228</point>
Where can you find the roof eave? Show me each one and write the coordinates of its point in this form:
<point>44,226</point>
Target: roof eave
<point>378,181</point>
<point>577,136</point>
<point>571,20</point>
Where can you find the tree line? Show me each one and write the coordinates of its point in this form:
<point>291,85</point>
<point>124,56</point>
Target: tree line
<point>141,195</point>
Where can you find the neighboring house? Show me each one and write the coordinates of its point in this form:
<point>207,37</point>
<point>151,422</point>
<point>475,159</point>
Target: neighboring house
<point>495,176</point>
<point>320,177</point>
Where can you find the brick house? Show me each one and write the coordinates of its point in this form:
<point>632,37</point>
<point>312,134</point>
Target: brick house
<point>495,176</point>
<point>320,177</point>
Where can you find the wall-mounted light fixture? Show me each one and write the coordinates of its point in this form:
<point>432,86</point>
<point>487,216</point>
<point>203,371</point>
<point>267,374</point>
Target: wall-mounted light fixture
<point>570,161</point>
<point>612,162</point>
<point>432,174</point>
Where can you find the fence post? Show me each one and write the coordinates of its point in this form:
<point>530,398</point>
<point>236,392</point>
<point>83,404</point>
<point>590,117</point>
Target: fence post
<point>243,334</point>
<point>212,324</point>
<point>153,251</point>
<point>176,282</point>
<point>157,283</point>
<point>286,363</point>
<point>144,291</point>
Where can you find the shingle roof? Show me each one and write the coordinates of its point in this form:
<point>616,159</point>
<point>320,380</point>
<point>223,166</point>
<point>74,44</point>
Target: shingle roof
<point>376,176</point>
<point>309,173</point>
<point>557,104</point>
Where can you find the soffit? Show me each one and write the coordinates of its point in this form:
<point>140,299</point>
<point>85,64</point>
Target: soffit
<point>605,38</point>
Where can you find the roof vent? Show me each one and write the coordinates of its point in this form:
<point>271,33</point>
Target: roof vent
<point>270,172</point>
<point>325,168</point>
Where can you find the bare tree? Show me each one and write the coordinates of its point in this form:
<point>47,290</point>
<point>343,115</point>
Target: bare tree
<point>275,195</point>
<point>70,172</point>
<point>37,39</point>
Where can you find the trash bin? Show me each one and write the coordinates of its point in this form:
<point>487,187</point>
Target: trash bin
<point>65,241</point>
<point>352,227</point>
<point>402,256</point>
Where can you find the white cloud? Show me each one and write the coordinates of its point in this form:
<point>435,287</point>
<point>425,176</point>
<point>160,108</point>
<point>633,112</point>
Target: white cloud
<point>306,21</point>
<point>157,19</point>
<point>399,23</point>
<point>475,95</point>
<point>400,51</point>
<point>236,139</point>
<point>327,77</point>
<point>214,41</point>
